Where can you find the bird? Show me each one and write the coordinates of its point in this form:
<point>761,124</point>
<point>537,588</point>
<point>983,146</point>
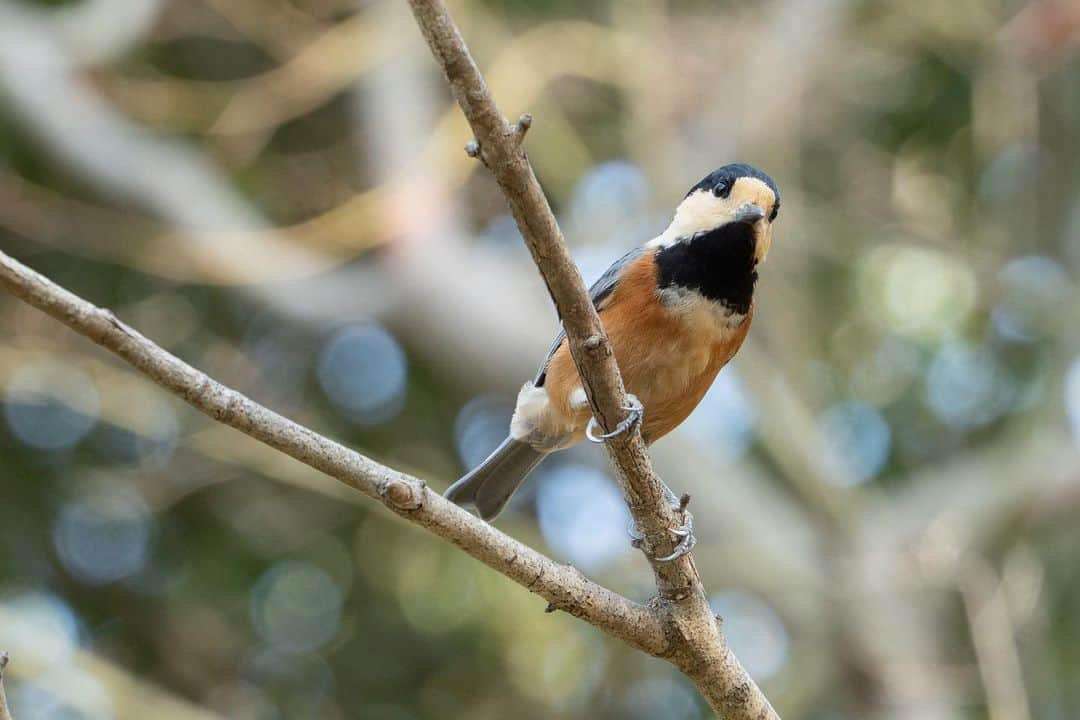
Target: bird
<point>675,309</point>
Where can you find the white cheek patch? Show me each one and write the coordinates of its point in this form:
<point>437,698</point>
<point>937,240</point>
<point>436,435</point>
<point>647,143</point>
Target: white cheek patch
<point>701,211</point>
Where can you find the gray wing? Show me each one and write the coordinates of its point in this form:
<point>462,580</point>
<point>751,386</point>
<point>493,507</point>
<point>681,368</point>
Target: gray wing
<point>600,291</point>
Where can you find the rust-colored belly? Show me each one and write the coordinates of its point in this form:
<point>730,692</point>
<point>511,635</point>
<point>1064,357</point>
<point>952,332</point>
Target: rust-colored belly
<point>666,361</point>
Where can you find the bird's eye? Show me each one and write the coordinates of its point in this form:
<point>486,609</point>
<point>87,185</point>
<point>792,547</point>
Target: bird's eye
<point>722,189</point>
<point>775,212</point>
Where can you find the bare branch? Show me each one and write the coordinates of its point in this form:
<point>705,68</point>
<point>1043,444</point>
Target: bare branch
<point>699,648</point>
<point>5,714</point>
<point>588,341</point>
<point>563,586</point>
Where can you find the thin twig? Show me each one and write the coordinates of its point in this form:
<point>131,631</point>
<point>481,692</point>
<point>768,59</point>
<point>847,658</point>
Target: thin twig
<point>699,648</point>
<point>407,496</point>
<point>5,714</point>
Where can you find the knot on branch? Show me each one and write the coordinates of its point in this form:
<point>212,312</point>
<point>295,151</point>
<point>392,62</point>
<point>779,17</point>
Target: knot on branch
<point>474,150</point>
<point>3,661</point>
<point>518,129</point>
<point>402,495</point>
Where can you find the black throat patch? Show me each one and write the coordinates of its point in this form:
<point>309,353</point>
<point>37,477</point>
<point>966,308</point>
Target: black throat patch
<point>719,264</point>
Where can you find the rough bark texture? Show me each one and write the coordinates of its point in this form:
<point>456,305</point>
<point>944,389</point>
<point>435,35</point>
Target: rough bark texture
<point>561,585</point>
<point>697,644</point>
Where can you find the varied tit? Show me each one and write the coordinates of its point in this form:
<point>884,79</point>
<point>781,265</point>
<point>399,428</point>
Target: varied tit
<point>675,309</point>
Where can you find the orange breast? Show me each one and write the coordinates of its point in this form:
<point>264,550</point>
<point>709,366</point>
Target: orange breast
<point>667,362</point>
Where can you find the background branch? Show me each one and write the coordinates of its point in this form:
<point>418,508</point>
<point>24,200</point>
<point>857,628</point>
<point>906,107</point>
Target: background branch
<point>699,647</point>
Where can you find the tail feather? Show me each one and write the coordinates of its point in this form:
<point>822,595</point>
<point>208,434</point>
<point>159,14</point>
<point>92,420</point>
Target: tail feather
<point>490,485</point>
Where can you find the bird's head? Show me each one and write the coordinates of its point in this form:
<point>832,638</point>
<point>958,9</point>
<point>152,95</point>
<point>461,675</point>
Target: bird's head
<point>733,194</point>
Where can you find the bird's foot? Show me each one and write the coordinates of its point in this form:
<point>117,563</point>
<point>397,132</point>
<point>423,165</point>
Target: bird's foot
<point>634,411</point>
<point>684,533</point>
<point>687,541</point>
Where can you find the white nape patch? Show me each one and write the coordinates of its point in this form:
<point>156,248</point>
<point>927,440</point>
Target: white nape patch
<point>707,317</point>
<point>700,212</point>
<point>664,240</point>
<point>578,398</point>
<point>532,405</point>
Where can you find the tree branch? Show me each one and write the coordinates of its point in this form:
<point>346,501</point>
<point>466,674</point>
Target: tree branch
<point>698,645</point>
<point>5,714</point>
<point>562,586</point>
<point>680,627</point>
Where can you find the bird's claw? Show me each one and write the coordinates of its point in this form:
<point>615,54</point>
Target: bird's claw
<point>634,411</point>
<point>684,533</point>
<point>687,541</point>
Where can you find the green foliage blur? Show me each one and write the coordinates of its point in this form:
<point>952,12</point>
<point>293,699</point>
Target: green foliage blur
<point>886,480</point>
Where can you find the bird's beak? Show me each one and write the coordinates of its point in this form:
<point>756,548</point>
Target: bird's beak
<point>749,214</point>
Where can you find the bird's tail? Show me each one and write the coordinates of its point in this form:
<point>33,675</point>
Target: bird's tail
<point>490,485</point>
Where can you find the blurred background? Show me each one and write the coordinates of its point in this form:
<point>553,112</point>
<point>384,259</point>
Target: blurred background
<point>886,480</point>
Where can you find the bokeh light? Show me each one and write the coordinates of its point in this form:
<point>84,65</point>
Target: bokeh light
<point>41,629</point>
<point>967,387</point>
<point>301,681</point>
<point>559,670</point>
<point>662,696</point>
<point>1072,398</point>
<point>150,433</point>
<point>282,354</point>
<point>50,405</point>
<point>916,290</point>
<point>888,373</point>
<point>104,536</point>
<point>480,425</point>
<point>63,692</point>
<point>502,233</point>
<point>757,635</point>
<point>607,198</point>
<point>296,606</point>
<point>362,370</point>
<point>726,418</point>
<point>437,593</point>
<point>1016,167</point>
<point>859,437</point>
<point>1033,288</point>
<point>582,514</point>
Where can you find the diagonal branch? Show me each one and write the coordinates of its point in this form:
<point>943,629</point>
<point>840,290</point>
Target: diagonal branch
<point>562,586</point>
<point>698,646</point>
